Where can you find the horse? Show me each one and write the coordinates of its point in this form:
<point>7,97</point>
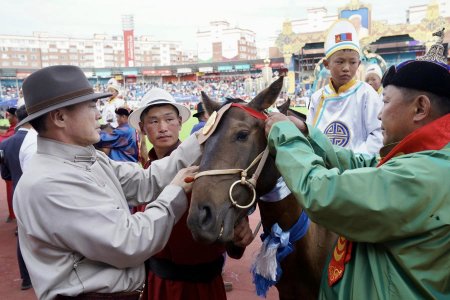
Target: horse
<point>220,200</point>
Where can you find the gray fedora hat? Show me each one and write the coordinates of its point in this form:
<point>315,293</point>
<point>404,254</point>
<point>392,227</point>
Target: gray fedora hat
<point>55,87</point>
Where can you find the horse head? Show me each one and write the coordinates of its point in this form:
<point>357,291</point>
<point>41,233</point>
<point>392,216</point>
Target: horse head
<point>220,199</point>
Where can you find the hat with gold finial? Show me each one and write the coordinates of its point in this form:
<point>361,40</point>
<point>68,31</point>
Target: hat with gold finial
<point>429,73</point>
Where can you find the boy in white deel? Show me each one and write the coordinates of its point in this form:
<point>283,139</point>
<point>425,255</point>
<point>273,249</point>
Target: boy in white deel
<point>112,103</point>
<point>346,109</point>
<point>373,78</point>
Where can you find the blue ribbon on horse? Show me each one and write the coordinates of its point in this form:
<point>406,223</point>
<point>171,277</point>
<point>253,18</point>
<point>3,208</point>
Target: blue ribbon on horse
<point>283,241</point>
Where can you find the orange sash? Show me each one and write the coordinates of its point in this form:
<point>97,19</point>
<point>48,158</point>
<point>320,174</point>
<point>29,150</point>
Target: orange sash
<point>433,136</point>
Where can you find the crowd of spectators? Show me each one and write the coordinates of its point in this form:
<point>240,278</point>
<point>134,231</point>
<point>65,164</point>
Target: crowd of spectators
<point>186,92</point>
<point>9,92</point>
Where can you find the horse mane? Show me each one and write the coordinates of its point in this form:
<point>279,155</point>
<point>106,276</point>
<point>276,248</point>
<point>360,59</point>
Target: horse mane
<point>229,100</point>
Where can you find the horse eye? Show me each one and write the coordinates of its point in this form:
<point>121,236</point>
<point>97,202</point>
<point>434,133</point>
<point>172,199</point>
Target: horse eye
<point>242,136</point>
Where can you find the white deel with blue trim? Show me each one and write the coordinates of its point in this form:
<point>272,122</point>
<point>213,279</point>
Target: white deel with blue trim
<point>349,119</point>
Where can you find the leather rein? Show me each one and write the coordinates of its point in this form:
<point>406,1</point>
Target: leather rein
<point>261,159</point>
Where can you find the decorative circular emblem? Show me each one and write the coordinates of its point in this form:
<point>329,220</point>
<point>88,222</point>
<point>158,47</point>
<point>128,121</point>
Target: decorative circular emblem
<point>210,123</point>
<point>338,133</point>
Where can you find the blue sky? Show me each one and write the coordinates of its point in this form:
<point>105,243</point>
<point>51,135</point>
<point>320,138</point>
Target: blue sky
<point>174,19</point>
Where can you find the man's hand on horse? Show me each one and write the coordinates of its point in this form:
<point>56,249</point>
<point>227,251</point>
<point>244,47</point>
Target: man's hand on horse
<point>272,119</point>
<point>278,117</point>
<point>183,178</point>
<point>243,235</point>
<point>300,124</point>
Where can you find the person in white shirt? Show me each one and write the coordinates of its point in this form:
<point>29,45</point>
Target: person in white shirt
<point>29,146</point>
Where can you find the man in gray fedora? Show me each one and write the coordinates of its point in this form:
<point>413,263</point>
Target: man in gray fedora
<point>78,238</point>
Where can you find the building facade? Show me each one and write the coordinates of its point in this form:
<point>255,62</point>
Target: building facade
<point>101,51</point>
<point>222,42</point>
<point>415,14</point>
<point>302,43</point>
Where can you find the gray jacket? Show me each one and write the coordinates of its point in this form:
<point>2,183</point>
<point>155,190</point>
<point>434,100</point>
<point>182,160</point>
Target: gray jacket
<point>75,228</point>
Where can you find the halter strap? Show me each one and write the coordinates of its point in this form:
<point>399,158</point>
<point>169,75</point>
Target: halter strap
<point>218,172</point>
<point>214,119</point>
<point>251,111</point>
<point>261,158</point>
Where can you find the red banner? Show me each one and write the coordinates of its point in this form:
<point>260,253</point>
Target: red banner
<point>22,75</point>
<point>128,42</point>
<point>277,65</point>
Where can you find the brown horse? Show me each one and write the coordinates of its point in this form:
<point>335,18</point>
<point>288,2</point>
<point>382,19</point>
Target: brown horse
<point>234,143</point>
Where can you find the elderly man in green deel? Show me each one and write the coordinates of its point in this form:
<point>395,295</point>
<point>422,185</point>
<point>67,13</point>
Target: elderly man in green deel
<point>393,214</point>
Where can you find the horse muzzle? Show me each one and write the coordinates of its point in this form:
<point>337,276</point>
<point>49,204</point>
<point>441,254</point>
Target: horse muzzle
<point>210,224</point>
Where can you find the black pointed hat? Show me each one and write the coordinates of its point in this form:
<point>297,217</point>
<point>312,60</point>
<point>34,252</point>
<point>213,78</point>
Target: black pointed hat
<point>429,73</point>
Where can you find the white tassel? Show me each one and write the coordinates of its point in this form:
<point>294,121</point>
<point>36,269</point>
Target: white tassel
<point>266,260</point>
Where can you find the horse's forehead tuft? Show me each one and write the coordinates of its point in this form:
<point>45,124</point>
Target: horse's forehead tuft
<point>229,100</point>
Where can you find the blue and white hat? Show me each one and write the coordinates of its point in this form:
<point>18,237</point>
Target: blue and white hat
<point>341,35</point>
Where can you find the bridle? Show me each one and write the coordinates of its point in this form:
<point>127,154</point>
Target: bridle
<point>250,183</point>
<point>261,158</point>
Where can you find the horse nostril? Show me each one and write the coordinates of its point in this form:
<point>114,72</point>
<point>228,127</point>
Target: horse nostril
<point>205,216</point>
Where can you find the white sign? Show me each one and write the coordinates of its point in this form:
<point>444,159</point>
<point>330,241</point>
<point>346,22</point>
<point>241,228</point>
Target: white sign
<point>205,69</point>
<point>184,70</point>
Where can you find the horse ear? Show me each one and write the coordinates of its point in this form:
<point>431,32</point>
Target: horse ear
<point>297,114</point>
<point>283,108</point>
<point>267,96</point>
<point>210,105</point>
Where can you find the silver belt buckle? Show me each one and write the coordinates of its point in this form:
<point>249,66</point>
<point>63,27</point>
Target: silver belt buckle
<point>141,291</point>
